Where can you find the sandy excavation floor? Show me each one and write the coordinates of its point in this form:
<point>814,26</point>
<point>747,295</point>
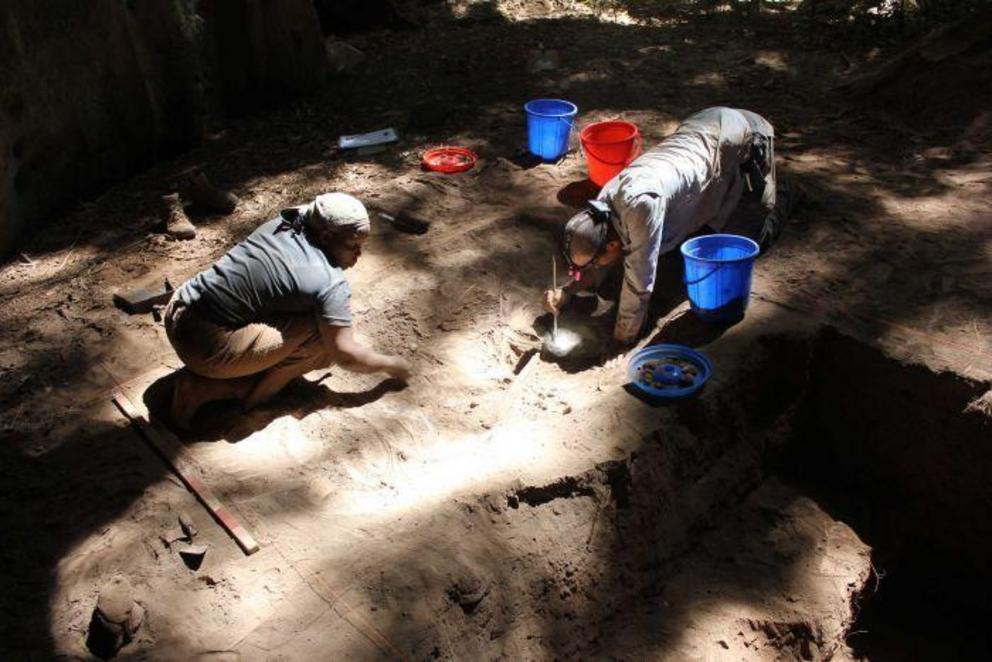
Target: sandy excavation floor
<point>500,506</point>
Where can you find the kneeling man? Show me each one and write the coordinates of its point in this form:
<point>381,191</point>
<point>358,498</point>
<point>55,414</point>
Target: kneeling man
<point>275,307</point>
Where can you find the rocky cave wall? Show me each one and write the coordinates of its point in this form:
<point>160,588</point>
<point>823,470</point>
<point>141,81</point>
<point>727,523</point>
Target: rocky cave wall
<point>91,92</point>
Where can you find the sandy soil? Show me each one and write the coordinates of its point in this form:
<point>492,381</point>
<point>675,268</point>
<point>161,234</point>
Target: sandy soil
<point>476,513</point>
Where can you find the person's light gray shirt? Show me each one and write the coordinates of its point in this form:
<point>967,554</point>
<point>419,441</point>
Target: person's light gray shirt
<point>691,179</point>
<point>271,272</point>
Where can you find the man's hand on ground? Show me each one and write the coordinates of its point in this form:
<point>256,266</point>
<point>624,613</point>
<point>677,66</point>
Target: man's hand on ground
<point>355,357</point>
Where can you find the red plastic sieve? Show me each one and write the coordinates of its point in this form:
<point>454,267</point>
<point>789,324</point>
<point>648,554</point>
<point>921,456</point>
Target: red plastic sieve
<point>449,159</point>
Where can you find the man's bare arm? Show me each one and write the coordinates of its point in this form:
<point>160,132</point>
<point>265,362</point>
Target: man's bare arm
<point>351,355</point>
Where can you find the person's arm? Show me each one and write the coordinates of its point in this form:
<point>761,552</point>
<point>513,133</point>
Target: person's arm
<point>770,191</point>
<point>555,299</point>
<point>644,219</point>
<point>351,355</point>
<point>775,217</point>
<point>761,174</point>
<point>338,336</point>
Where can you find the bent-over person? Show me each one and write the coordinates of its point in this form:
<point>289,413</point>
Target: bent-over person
<point>695,179</point>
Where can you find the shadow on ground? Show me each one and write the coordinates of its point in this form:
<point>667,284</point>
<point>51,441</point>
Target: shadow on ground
<point>227,420</point>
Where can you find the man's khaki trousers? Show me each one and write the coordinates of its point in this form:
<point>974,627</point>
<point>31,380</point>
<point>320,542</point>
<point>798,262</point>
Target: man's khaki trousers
<point>277,350</point>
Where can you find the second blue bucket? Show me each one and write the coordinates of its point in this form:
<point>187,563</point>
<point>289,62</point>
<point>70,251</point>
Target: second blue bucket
<point>549,126</point>
<point>718,271</point>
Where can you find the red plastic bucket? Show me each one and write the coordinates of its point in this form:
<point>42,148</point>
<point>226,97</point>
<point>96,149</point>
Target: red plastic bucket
<point>609,147</point>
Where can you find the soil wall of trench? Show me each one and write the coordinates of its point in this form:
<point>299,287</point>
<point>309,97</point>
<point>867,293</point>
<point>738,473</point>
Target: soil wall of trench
<point>91,92</point>
<point>918,444</point>
<point>893,458</point>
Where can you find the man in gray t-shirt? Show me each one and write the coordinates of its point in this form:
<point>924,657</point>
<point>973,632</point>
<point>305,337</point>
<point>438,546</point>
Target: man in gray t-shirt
<point>276,306</point>
<point>272,272</point>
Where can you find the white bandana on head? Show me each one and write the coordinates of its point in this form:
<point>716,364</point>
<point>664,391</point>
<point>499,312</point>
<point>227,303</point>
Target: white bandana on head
<point>339,211</point>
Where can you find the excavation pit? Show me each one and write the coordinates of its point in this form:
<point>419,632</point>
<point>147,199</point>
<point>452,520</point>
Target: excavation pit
<point>799,511</point>
<point>902,455</point>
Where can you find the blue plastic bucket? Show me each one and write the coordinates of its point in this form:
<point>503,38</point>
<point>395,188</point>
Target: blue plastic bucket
<point>718,271</point>
<point>549,126</point>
